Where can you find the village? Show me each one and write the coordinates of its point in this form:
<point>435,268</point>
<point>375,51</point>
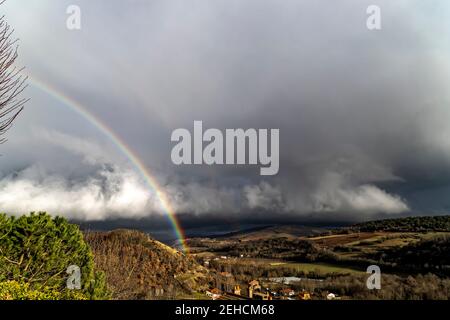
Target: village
<point>228,288</point>
<point>256,292</point>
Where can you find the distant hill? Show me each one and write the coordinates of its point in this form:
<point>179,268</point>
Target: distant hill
<point>426,255</point>
<point>409,224</point>
<point>271,232</point>
<point>138,267</point>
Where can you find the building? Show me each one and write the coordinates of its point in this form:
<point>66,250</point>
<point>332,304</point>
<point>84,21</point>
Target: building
<point>287,292</point>
<point>253,286</point>
<point>261,295</point>
<point>237,290</point>
<point>331,296</point>
<point>304,296</point>
<point>214,293</point>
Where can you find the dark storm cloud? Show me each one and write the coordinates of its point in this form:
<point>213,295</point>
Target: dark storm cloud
<point>363,115</point>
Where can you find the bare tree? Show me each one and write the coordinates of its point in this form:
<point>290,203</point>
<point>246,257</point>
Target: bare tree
<point>12,83</point>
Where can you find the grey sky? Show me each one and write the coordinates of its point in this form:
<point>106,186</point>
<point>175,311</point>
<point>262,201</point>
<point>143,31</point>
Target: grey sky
<point>363,115</point>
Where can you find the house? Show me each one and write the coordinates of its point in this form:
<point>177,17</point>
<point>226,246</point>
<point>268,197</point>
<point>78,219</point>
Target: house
<point>237,290</point>
<point>331,296</point>
<point>304,296</point>
<point>253,286</point>
<point>261,296</point>
<point>287,292</point>
<point>214,293</point>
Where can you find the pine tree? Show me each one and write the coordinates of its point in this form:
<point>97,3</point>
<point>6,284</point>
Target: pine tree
<point>37,250</point>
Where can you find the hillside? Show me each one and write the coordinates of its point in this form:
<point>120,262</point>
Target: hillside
<point>272,232</point>
<point>139,267</point>
<point>409,224</point>
<point>423,256</point>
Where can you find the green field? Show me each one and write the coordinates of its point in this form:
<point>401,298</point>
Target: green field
<point>322,269</point>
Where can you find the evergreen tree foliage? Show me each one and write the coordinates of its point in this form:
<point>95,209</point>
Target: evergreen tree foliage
<point>36,250</point>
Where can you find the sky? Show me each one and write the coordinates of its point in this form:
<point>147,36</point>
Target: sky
<point>363,115</point>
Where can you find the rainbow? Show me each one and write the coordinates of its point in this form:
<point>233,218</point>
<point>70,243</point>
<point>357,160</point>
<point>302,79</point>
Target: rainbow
<point>123,147</point>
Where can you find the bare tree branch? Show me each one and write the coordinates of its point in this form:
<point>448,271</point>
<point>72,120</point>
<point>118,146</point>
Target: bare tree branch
<point>12,82</point>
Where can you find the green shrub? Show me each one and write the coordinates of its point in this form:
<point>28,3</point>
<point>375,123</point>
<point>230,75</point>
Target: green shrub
<point>13,290</point>
<point>35,252</point>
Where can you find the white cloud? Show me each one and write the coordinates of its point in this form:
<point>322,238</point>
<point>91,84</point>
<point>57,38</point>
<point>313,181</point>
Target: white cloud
<point>335,194</point>
<point>113,190</point>
<point>108,194</point>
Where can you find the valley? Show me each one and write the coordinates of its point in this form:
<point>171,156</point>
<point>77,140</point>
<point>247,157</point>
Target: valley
<point>290,262</point>
<point>261,263</point>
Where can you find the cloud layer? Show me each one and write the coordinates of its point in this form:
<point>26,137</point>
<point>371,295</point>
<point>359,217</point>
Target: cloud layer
<point>112,191</point>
